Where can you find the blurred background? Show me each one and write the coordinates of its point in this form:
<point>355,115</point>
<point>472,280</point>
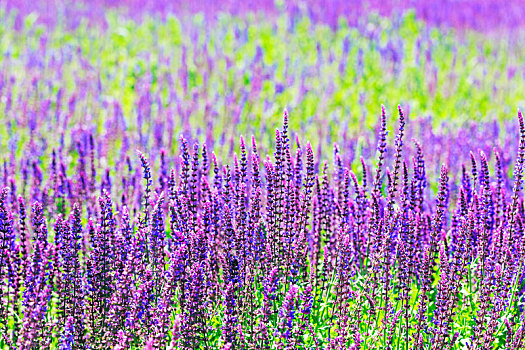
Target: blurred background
<point>136,74</point>
<point>484,15</point>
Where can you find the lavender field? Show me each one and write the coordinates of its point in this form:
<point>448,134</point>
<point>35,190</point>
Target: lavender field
<point>262,174</point>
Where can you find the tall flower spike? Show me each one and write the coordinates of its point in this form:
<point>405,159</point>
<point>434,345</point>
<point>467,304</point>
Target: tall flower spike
<point>172,185</point>
<point>38,221</point>
<point>520,160</point>
<point>205,161</point>
<point>397,156</point>
<point>365,172</point>
<point>518,177</point>
<point>465,183</point>
<point>23,228</point>
<point>298,171</point>
<point>93,179</point>
<point>381,150</point>
<point>474,169</point>
<point>441,203</point>
<point>244,161</point>
<point>185,165</point>
<point>147,178</point>
<point>285,136</point>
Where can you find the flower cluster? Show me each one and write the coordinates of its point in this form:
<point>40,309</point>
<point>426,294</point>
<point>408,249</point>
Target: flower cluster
<point>290,255</point>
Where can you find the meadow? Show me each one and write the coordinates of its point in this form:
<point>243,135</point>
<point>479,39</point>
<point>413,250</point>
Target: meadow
<point>264,177</point>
